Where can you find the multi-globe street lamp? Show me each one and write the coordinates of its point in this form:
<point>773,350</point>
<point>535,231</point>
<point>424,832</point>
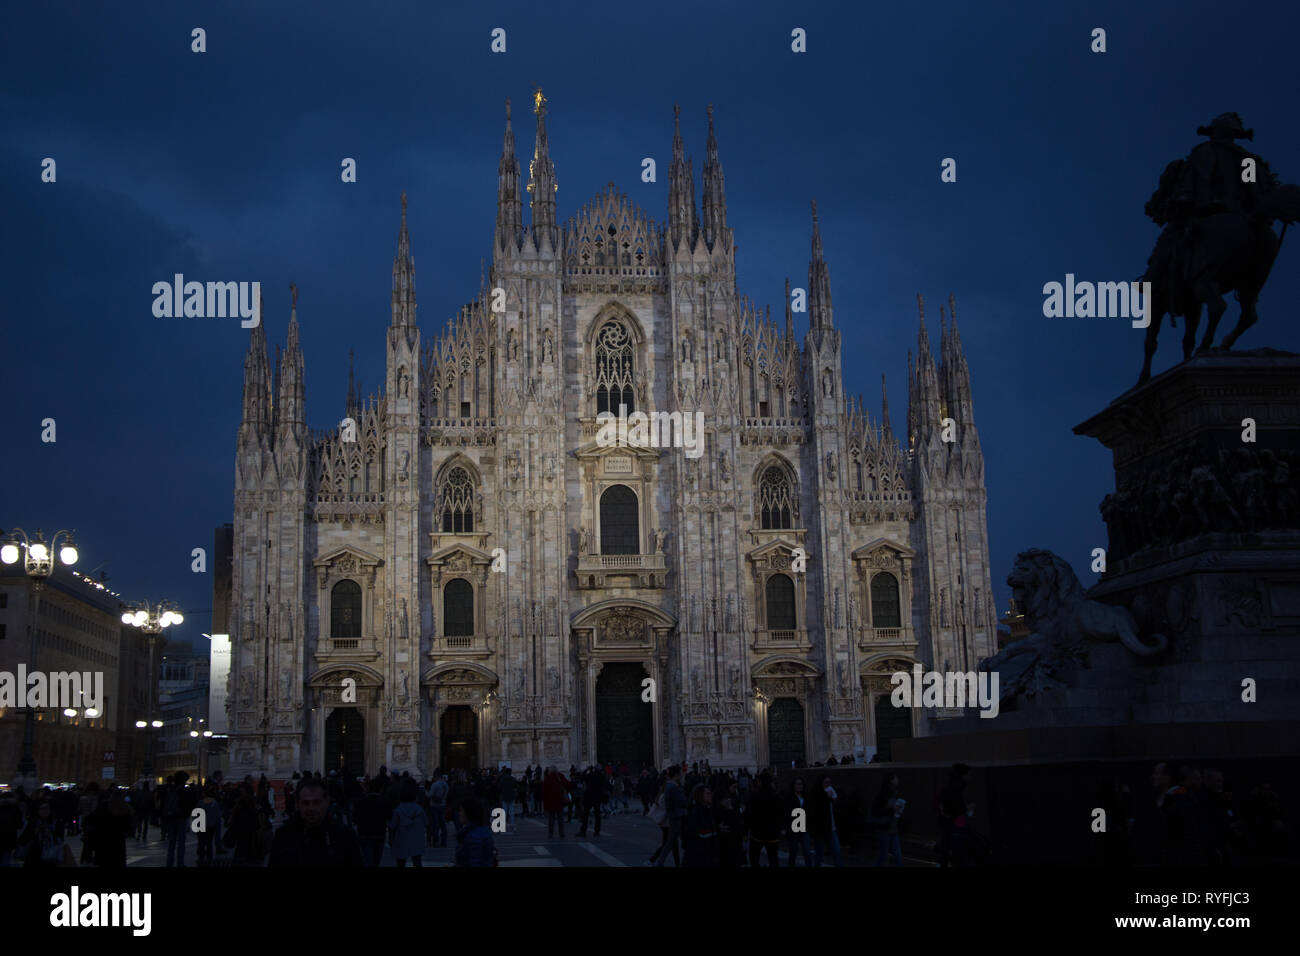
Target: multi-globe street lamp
<point>153,619</point>
<point>38,562</point>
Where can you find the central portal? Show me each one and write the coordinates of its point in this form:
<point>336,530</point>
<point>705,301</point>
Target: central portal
<point>624,724</point>
<point>459,739</point>
<point>785,733</point>
<point>345,741</point>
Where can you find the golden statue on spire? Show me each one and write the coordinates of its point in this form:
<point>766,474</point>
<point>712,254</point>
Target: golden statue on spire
<point>538,100</point>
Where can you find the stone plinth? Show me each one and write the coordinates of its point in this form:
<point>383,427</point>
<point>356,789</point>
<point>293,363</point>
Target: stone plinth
<point>1204,549</point>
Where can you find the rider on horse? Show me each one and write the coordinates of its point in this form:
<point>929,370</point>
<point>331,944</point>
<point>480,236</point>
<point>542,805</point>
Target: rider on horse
<point>1208,182</point>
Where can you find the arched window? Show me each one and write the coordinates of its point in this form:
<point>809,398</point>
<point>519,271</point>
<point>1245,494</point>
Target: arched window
<point>457,502</point>
<point>780,603</point>
<point>458,609</point>
<point>775,501</point>
<point>345,610</point>
<point>884,601</point>
<point>614,369</point>
<point>619,526</point>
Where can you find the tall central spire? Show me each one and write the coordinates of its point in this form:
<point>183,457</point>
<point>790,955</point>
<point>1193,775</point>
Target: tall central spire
<point>819,281</point>
<point>403,278</point>
<point>542,185</point>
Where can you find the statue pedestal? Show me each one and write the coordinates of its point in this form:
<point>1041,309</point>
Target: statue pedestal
<point>1205,534</point>
<point>1204,548</point>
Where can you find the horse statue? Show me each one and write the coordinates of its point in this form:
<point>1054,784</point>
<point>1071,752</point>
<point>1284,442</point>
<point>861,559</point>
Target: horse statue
<point>1218,207</point>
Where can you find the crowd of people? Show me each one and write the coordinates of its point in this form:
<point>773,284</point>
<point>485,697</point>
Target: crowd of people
<point>707,818</point>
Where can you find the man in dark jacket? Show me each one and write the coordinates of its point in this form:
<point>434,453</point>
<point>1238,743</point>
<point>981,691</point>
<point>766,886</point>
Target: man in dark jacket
<point>310,839</point>
<point>823,824</point>
<point>594,792</point>
<point>178,804</point>
<point>700,832</point>
<point>765,819</point>
<point>372,823</point>
<point>506,792</point>
<point>676,805</point>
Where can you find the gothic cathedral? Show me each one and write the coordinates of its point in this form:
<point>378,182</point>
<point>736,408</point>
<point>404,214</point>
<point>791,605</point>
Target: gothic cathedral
<point>461,574</point>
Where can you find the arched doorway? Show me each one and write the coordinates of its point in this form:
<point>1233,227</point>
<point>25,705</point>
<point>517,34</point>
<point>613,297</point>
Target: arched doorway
<point>624,724</point>
<point>345,741</point>
<point>785,740</point>
<point>892,723</point>
<point>459,739</point>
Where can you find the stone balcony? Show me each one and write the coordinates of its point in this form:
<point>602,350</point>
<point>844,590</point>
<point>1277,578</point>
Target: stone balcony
<point>622,570</point>
<point>339,649</point>
<point>774,640</point>
<point>461,647</point>
<point>876,638</point>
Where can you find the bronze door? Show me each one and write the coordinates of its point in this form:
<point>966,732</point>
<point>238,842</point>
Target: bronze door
<point>624,723</point>
<point>345,741</point>
<point>459,739</point>
<point>785,733</point>
<point>892,723</point>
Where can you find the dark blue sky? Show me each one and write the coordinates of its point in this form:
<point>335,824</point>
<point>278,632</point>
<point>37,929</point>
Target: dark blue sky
<point>225,166</point>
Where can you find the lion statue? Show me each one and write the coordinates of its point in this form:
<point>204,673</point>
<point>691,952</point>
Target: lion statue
<point>1063,623</point>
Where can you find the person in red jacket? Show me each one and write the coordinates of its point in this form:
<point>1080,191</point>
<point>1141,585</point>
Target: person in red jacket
<point>555,793</point>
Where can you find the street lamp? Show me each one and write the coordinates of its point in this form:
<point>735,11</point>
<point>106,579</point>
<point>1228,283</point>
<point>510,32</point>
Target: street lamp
<point>38,562</point>
<point>153,619</point>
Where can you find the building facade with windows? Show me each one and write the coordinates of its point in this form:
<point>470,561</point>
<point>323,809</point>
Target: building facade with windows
<point>78,630</point>
<point>461,573</point>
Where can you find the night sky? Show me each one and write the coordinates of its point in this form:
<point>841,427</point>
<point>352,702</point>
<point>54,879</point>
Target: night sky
<point>225,166</point>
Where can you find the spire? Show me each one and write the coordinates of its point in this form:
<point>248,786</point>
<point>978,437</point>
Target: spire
<point>957,373</point>
<point>289,392</point>
<point>714,198</point>
<point>510,217</point>
<point>403,278</point>
<point>275,388</point>
<point>681,191</point>
<point>257,383</point>
<point>542,185</point>
<point>789,315</point>
<point>819,281</point>
<point>354,399</point>
<point>884,407</point>
<point>923,409</point>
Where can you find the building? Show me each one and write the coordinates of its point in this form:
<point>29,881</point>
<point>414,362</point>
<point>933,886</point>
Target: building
<point>183,708</point>
<point>79,630</point>
<point>463,572</point>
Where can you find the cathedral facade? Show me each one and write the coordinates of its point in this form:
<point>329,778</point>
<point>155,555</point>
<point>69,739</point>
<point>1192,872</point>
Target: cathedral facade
<point>463,574</point>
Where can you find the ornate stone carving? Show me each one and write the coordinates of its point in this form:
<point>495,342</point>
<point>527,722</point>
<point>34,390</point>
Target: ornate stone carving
<point>622,627</point>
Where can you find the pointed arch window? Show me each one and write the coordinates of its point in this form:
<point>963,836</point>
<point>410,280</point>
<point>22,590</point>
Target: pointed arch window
<point>345,610</point>
<point>458,608</point>
<point>775,500</point>
<point>456,502</point>
<point>780,603</point>
<point>614,369</point>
